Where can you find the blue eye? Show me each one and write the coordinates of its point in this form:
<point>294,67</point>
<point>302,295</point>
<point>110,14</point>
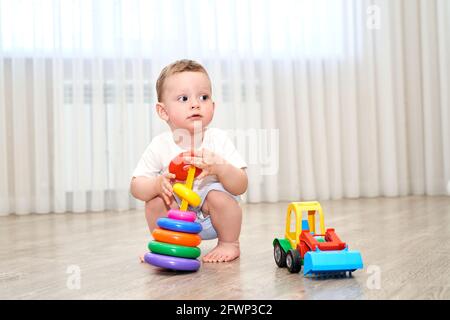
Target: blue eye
<point>204,97</point>
<point>183,99</point>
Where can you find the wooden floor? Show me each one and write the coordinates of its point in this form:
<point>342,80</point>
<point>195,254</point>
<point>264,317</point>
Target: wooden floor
<point>406,239</point>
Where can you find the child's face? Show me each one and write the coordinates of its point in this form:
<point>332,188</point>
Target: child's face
<point>187,99</point>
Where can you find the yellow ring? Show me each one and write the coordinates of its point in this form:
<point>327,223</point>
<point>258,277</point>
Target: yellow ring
<point>186,194</point>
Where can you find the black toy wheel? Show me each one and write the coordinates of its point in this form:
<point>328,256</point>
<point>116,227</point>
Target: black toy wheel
<point>279,255</point>
<point>293,261</point>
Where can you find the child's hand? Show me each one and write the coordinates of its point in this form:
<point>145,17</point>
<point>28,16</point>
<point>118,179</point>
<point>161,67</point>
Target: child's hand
<point>206,160</point>
<point>165,187</point>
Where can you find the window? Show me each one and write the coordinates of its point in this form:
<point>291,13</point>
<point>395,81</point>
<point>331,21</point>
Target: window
<point>148,27</point>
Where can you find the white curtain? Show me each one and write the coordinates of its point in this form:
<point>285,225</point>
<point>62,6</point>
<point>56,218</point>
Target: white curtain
<point>324,98</point>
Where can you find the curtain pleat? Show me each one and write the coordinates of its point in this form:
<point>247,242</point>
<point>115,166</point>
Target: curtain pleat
<point>400,107</point>
<point>4,138</point>
<point>349,110</point>
<point>386,103</point>
<point>367,118</point>
<point>22,172</point>
<point>431,99</point>
<point>443,11</point>
<point>40,135</point>
<point>270,162</point>
<point>138,142</point>
<point>413,96</point>
<point>333,125</point>
<point>99,138</point>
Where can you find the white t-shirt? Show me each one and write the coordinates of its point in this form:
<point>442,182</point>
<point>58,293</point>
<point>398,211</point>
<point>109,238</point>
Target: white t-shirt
<point>163,149</point>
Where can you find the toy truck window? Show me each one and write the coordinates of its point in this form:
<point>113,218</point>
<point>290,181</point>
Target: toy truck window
<point>292,221</point>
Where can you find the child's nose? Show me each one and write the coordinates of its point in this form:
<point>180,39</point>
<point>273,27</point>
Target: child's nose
<point>195,104</point>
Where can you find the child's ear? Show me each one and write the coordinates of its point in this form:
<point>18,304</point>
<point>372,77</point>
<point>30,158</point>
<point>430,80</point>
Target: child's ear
<point>162,112</point>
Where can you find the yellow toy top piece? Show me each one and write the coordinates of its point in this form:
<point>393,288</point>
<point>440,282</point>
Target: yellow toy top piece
<point>312,207</point>
<point>185,192</point>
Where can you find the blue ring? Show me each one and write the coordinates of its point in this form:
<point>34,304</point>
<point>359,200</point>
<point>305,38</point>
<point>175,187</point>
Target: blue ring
<point>179,225</point>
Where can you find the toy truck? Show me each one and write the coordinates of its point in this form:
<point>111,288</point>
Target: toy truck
<point>322,254</point>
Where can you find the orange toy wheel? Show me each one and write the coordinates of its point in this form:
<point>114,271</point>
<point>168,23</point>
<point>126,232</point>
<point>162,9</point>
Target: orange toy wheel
<point>180,238</point>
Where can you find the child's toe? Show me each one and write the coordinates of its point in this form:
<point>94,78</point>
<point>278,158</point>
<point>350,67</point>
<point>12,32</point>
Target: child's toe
<point>215,257</point>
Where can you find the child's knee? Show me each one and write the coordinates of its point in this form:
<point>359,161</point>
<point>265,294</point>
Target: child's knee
<point>216,200</point>
<point>155,206</point>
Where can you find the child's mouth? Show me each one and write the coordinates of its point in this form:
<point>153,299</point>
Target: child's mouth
<point>195,117</point>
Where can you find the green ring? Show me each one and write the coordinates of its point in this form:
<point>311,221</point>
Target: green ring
<point>175,250</point>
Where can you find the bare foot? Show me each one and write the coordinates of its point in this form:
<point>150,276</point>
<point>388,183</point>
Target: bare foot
<point>223,252</point>
<point>141,258</point>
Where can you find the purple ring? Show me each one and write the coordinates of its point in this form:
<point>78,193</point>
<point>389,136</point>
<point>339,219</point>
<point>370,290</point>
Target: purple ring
<point>170,262</point>
<point>182,215</point>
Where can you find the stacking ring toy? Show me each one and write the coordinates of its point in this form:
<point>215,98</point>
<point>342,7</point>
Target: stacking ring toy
<point>169,262</point>
<point>180,238</point>
<point>176,167</point>
<point>182,215</point>
<point>178,225</point>
<point>187,194</point>
<point>169,249</point>
<point>176,238</point>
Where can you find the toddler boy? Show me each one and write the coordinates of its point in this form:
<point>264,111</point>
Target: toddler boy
<point>185,103</point>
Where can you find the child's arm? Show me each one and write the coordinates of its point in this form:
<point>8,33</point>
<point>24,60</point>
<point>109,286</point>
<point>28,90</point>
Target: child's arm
<point>233,179</point>
<point>145,188</point>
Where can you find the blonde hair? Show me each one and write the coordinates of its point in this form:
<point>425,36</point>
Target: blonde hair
<point>177,67</point>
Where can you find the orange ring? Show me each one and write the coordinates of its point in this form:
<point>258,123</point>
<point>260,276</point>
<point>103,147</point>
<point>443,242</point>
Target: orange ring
<point>180,238</point>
